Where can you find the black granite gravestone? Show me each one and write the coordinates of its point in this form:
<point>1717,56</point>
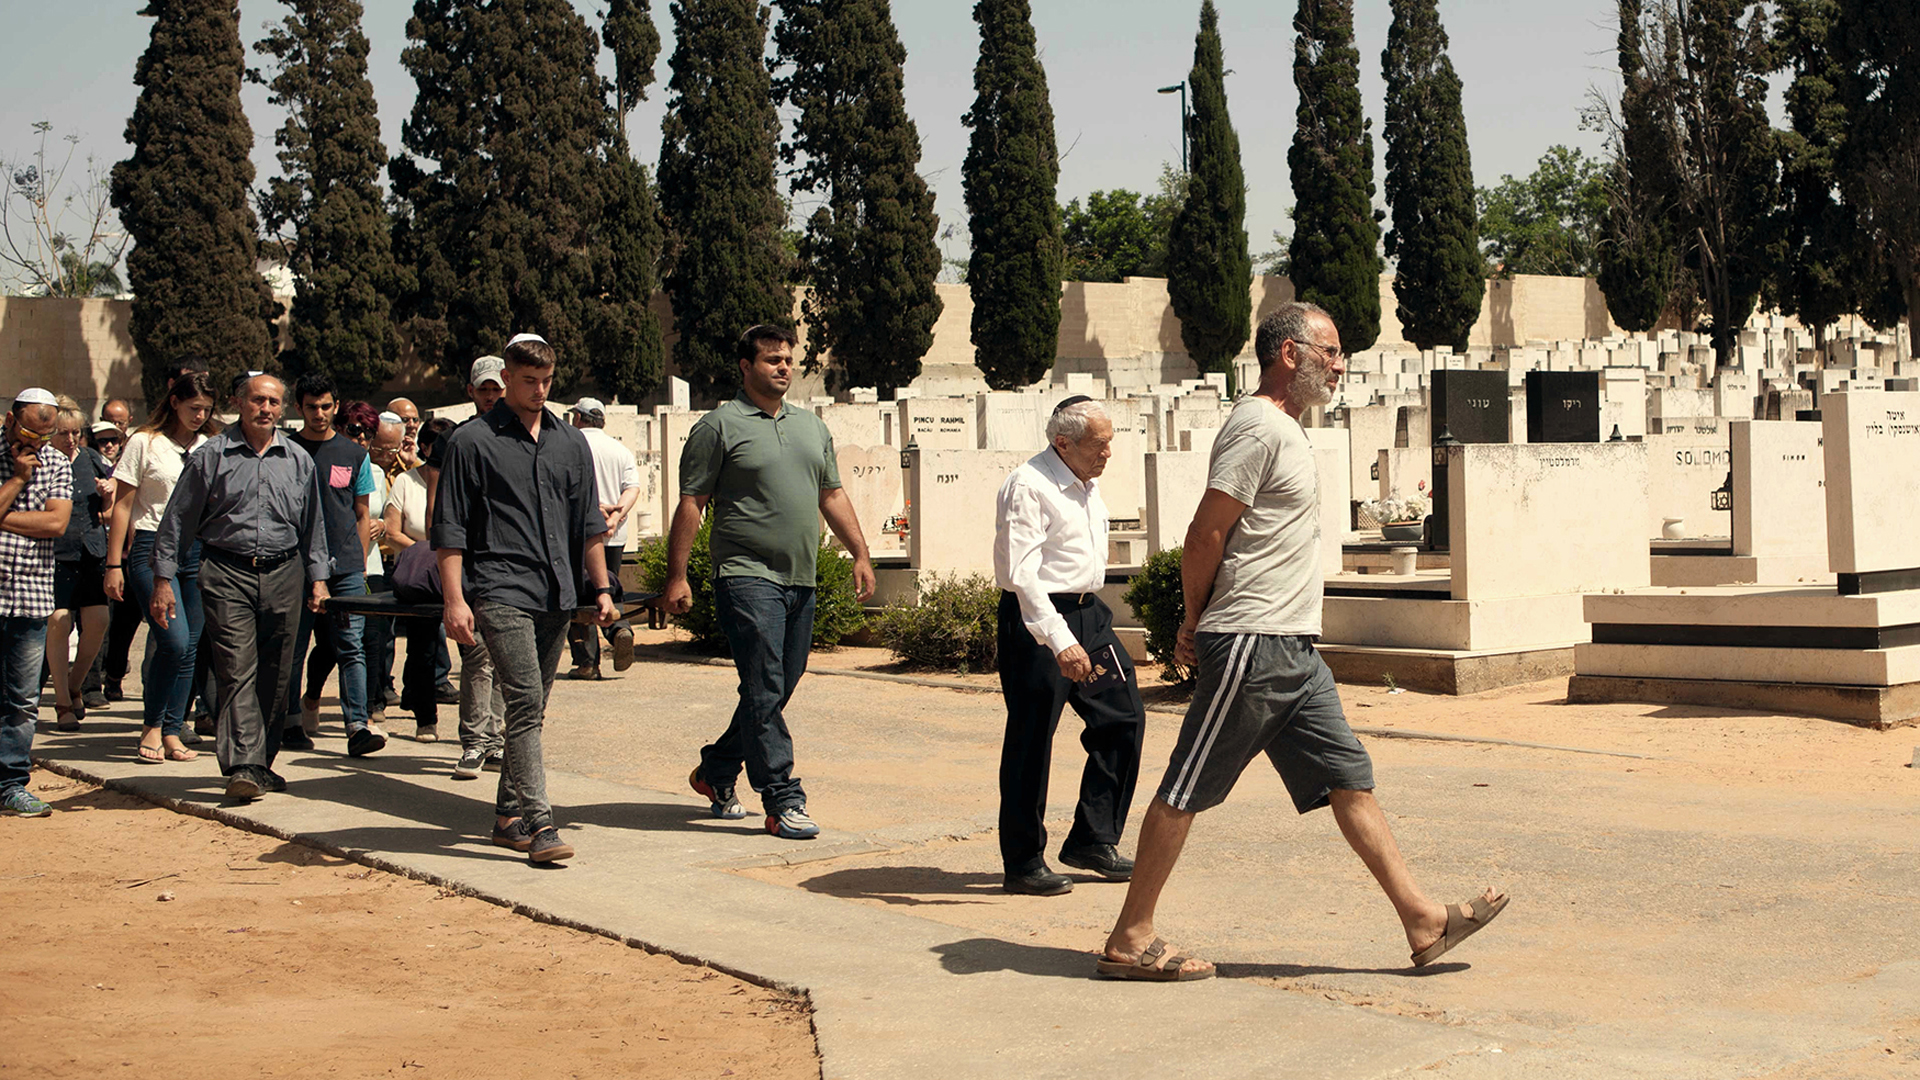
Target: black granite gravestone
<point>1472,407</point>
<point>1563,407</point>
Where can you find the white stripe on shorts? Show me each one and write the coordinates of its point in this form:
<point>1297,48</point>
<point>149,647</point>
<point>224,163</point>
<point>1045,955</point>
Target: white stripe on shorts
<point>1237,658</point>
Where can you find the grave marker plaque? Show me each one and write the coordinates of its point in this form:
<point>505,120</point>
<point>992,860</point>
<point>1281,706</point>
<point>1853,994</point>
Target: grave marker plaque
<point>1563,407</point>
<point>1473,407</point>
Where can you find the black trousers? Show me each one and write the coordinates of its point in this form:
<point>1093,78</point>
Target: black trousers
<point>252,616</point>
<point>1035,692</point>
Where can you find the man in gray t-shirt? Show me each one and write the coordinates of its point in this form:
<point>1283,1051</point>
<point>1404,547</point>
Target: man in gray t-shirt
<point>1251,573</point>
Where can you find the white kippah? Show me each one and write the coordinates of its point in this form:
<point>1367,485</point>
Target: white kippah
<point>391,418</point>
<point>518,338</point>
<point>34,395</point>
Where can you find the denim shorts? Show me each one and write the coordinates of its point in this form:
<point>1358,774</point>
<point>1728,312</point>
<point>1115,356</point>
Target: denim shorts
<point>1271,694</point>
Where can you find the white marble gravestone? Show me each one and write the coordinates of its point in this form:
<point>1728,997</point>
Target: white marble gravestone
<point>1873,480</point>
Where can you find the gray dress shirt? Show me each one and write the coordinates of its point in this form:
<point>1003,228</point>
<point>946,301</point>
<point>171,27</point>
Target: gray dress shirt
<point>246,504</point>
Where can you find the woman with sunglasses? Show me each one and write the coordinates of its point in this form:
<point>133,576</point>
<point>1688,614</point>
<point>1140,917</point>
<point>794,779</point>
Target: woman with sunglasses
<point>144,479</point>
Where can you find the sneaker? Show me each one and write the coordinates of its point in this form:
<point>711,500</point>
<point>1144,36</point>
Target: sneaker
<point>310,715</point>
<point>725,805</point>
<point>189,736</point>
<point>547,846</point>
<point>296,738</point>
<point>792,823</point>
<point>113,692</point>
<point>23,803</point>
<point>514,836</point>
<point>622,648</point>
<point>468,767</point>
<point>365,741</point>
<point>586,673</point>
<point>377,714</point>
<point>94,699</point>
<point>494,760</point>
<point>242,785</point>
<point>445,694</point>
<point>426,733</point>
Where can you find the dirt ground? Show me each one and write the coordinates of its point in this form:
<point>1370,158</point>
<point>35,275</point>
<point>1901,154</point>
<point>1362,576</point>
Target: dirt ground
<point>147,943</point>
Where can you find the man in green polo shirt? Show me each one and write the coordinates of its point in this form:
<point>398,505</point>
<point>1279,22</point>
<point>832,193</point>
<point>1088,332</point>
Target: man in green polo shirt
<point>768,470</point>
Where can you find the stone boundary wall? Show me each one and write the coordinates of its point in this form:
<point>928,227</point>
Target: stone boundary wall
<point>1124,332</point>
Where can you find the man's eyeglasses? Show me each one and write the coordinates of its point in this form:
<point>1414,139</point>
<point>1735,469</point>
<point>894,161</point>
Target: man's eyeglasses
<point>1332,354</point>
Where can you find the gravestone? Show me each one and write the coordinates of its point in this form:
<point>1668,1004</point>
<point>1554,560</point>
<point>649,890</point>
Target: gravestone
<point>1563,407</point>
<point>679,394</point>
<point>952,511</point>
<point>854,424</point>
<point>1123,486</point>
<point>1779,489</point>
<point>672,428</point>
<point>1684,469</point>
<point>1174,481</point>
<point>1873,503</point>
<point>937,424</point>
<point>875,485</point>
<point>1473,407</point>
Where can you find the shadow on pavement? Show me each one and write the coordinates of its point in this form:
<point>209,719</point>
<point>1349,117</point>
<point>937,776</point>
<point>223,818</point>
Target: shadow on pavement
<point>904,885</point>
<point>977,956</point>
<point>1299,971</point>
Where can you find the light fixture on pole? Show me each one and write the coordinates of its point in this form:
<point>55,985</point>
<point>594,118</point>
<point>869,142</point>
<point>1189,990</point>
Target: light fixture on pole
<point>1181,89</point>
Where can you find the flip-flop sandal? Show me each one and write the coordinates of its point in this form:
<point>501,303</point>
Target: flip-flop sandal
<point>181,754</point>
<point>142,752</point>
<point>1153,965</point>
<point>1463,921</point>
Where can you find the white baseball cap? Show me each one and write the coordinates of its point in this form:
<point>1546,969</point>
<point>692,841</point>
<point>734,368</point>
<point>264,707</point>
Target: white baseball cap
<point>590,407</point>
<point>488,369</point>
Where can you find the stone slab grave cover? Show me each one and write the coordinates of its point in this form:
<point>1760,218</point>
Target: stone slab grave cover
<point>875,485</point>
<point>1873,497</point>
<point>1563,407</point>
<point>1474,408</point>
<point>1684,469</point>
<point>943,423</point>
<point>953,512</point>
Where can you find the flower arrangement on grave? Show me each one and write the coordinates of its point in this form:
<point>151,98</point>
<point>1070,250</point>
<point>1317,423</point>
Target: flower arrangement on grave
<point>1408,511</point>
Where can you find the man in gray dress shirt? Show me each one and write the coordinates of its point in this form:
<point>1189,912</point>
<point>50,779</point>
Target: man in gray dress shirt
<point>254,504</point>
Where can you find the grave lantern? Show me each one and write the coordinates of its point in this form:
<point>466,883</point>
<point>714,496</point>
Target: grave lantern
<point>907,452</point>
<point>1721,498</point>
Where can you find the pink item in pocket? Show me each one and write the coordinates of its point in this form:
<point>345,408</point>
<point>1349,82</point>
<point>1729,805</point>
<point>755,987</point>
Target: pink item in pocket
<point>340,476</point>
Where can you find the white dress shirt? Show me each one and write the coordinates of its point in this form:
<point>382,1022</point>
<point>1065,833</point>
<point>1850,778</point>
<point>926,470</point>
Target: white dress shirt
<point>1051,538</point>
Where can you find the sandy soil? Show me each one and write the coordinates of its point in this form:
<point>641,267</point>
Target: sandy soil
<point>147,943</point>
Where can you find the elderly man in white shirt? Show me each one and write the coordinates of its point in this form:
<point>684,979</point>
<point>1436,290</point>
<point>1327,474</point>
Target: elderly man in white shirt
<point>1057,648</point>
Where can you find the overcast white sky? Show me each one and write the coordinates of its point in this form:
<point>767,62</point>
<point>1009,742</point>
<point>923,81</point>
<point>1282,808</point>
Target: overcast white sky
<point>1528,67</point>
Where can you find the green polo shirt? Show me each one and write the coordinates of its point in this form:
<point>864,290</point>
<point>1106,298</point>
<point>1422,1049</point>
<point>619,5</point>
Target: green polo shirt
<point>765,475</point>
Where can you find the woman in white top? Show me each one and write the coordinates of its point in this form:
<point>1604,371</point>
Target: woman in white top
<point>144,479</point>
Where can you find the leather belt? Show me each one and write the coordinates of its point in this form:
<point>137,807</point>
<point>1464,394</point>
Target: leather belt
<point>248,562</point>
<point>1077,599</point>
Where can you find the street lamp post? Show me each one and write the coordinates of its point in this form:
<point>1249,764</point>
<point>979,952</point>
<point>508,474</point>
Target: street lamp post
<point>1181,89</point>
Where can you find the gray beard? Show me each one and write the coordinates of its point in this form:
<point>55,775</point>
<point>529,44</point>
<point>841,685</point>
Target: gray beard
<point>1309,386</point>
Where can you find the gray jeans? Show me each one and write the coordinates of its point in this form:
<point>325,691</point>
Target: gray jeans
<point>525,647</point>
<point>252,616</point>
<point>482,711</point>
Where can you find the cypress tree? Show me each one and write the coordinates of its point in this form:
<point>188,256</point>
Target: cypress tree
<point>507,232</point>
<point>1209,270</point>
<point>1879,164</point>
<point>729,268</point>
<point>340,250</point>
<point>1637,262</point>
<point>1439,278</point>
<point>1335,249</point>
<point>869,253</point>
<point>628,352</point>
<point>183,198</point>
<point>1822,273</point>
<point>1010,175</point>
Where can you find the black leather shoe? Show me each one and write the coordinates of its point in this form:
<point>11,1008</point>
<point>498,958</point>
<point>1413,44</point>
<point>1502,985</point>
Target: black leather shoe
<point>275,783</point>
<point>1040,881</point>
<point>295,738</point>
<point>1102,859</point>
<point>243,785</point>
<point>363,742</point>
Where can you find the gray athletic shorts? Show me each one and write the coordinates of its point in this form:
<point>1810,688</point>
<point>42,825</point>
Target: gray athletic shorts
<point>1263,693</point>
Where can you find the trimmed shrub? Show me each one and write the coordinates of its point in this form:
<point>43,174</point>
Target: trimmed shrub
<point>1160,603</point>
<point>954,627</point>
<point>836,610</point>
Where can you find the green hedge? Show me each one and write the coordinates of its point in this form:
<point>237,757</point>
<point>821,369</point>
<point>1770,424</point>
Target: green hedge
<point>954,627</point>
<point>837,612</point>
<point>1160,603</point>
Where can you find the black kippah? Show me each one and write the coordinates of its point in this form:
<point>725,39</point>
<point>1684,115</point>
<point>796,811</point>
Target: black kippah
<point>1074,400</point>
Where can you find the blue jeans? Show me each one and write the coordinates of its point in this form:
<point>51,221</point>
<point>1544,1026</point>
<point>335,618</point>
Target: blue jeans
<point>170,677</point>
<point>770,627</point>
<point>345,633</point>
<point>23,645</point>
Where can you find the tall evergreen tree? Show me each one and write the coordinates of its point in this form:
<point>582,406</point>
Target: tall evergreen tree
<point>1209,269</point>
<point>507,232</point>
<point>729,267</point>
<point>1335,252</point>
<point>183,198</point>
<point>1878,45</point>
<point>1638,260</point>
<point>1439,279</point>
<point>340,248</point>
<point>1822,272</point>
<point>1010,175</point>
<point>630,354</point>
<point>869,252</point>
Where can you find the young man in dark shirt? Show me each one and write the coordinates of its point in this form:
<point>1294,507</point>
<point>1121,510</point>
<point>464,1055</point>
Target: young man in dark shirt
<point>516,526</point>
<point>346,483</point>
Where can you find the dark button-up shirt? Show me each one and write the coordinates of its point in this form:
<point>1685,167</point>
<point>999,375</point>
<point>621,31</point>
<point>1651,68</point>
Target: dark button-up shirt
<point>245,503</point>
<point>521,510</point>
<point>86,535</point>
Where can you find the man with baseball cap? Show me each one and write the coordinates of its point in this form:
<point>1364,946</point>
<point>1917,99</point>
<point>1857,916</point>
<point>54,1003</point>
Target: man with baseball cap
<point>36,498</point>
<point>616,476</point>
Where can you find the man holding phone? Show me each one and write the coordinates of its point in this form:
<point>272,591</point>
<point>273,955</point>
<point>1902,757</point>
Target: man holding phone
<point>1058,648</point>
